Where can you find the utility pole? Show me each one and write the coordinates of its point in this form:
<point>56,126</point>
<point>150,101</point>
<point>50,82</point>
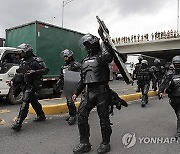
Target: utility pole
<point>64,3</point>
<point>178,17</point>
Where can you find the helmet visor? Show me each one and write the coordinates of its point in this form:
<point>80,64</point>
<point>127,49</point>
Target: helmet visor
<point>66,53</point>
<point>177,65</point>
<point>87,38</point>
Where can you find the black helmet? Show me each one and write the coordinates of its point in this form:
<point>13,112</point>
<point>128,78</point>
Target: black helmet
<point>67,53</point>
<point>140,58</point>
<point>176,62</point>
<point>157,61</point>
<point>88,38</point>
<point>25,47</point>
<point>171,67</point>
<point>144,62</point>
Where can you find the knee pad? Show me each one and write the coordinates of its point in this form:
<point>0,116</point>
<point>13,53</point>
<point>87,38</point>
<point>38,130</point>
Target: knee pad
<point>70,103</point>
<point>82,119</point>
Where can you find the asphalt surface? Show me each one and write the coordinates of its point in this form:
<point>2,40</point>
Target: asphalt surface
<point>117,85</point>
<point>153,128</point>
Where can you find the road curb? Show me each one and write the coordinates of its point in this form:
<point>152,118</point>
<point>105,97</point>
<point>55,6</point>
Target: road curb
<point>62,108</point>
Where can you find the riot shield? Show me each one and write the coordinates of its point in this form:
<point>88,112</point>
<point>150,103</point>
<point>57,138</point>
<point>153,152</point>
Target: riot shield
<point>71,80</point>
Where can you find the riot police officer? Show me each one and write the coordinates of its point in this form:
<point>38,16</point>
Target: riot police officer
<point>166,78</point>
<point>136,70</point>
<point>158,71</point>
<point>144,77</point>
<point>94,80</point>
<point>29,76</point>
<point>172,88</point>
<point>70,65</point>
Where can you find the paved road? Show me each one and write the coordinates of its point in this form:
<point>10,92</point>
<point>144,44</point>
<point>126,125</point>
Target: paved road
<point>156,124</point>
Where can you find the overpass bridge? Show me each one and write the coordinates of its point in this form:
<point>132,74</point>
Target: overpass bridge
<point>161,48</point>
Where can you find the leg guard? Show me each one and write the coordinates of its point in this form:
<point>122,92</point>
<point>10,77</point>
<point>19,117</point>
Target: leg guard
<point>23,112</point>
<point>37,107</point>
<point>138,89</point>
<point>71,107</point>
<point>84,130</point>
<point>178,123</point>
<point>106,130</point>
<point>22,115</point>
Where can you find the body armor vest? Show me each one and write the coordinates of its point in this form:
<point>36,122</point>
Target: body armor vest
<point>93,72</point>
<point>157,72</point>
<point>28,65</point>
<point>72,66</point>
<point>176,83</point>
<point>144,74</point>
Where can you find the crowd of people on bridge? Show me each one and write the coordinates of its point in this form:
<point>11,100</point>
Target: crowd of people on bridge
<point>146,37</point>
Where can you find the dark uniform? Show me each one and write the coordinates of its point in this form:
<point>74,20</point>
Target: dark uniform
<point>94,80</point>
<point>171,85</point>
<point>144,77</point>
<point>158,71</point>
<point>136,70</point>
<point>29,77</point>
<point>70,65</point>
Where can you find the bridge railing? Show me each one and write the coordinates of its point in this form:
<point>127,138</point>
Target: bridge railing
<point>146,37</point>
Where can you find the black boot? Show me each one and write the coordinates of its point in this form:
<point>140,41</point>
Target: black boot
<point>143,104</point>
<point>106,133</point>
<point>177,136</point>
<point>16,126</point>
<point>67,119</point>
<point>144,100</point>
<point>138,89</point>
<point>104,148</point>
<point>72,120</point>
<point>82,148</point>
<point>40,118</point>
<point>155,88</point>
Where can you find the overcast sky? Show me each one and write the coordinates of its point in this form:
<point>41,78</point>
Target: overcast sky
<point>122,17</point>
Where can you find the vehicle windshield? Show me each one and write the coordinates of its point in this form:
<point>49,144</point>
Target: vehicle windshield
<point>128,65</point>
<point>1,52</point>
<point>7,60</point>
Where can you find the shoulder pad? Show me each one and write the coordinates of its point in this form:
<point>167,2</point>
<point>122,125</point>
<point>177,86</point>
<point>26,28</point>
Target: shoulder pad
<point>38,59</point>
<point>76,63</point>
<point>84,59</point>
<point>153,67</point>
<point>176,76</point>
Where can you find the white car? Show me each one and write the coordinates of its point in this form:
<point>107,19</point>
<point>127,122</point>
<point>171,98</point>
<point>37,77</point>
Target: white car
<point>130,67</point>
<point>7,71</point>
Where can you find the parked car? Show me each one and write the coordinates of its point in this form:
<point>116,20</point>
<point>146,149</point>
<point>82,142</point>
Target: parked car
<point>116,73</point>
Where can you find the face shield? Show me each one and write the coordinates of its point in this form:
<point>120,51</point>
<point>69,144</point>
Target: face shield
<point>66,53</point>
<point>157,62</point>
<point>144,63</point>
<point>90,39</point>
<point>22,46</point>
<point>176,62</point>
<point>27,50</point>
<point>177,66</point>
